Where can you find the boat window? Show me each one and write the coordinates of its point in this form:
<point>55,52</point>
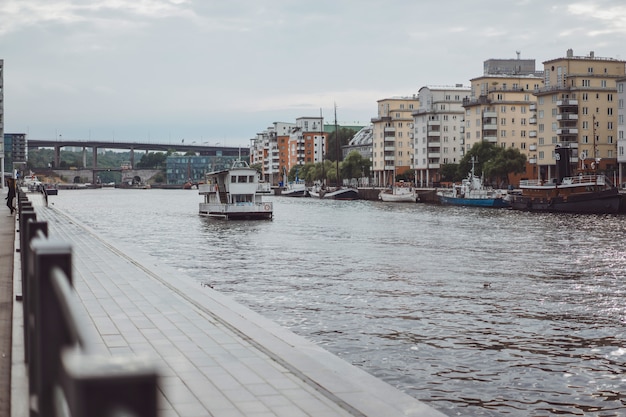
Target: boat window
<point>243,178</point>
<point>251,178</point>
<point>233,178</point>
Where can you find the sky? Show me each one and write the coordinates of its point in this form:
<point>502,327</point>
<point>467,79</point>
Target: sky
<point>219,72</point>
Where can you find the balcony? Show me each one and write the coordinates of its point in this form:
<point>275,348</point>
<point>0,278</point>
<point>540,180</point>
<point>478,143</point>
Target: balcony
<point>434,155</point>
<point>532,160</point>
<point>436,133</point>
<point>567,102</point>
<point>532,120</point>
<point>490,114</point>
<point>533,107</point>
<point>434,123</point>
<point>567,116</point>
<point>390,148</point>
<point>532,134</point>
<point>490,139</point>
<point>490,127</point>
<point>434,143</point>
<point>532,147</point>
<point>570,131</point>
<point>390,130</point>
<point>390,158</point>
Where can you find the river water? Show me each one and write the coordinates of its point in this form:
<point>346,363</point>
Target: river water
<point>477,312</point>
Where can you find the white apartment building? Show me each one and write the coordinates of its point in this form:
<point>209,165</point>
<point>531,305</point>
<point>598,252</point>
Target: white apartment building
<point>307,141</point>
<point>265,149</point>
<point>392,138</point>
<point>438,130</point>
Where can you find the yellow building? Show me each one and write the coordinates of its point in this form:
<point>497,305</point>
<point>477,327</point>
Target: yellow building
<point>501,110</point>
<point>578,106</point>
<point>392,142</point>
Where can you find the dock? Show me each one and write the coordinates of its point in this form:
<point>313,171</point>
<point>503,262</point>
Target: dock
<point>214,357</point>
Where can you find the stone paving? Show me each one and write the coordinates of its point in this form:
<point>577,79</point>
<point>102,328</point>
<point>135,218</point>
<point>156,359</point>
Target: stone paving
<point>216,357</point>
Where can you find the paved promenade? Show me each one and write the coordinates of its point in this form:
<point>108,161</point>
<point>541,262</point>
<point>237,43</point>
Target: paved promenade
<point>216,357</point>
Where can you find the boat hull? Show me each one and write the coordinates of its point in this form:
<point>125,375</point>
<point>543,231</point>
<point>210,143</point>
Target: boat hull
<point>474,202</point>
<point>295,193</point>
<point>255,211</point>
<point>398,198</point>
<point>342,194</point>
<point>602,202</point>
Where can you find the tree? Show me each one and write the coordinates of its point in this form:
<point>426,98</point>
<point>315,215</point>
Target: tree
<point>355,166</point>
<point>152,160</point>
<point>450,173</point>
<point>506,161</point>
<point>481,152</point>
<point>345,135</point>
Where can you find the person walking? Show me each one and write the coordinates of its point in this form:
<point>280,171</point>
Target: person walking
<point>10,194</point>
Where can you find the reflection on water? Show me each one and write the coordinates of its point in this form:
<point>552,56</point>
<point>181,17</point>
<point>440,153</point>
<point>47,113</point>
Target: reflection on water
<point>475,311</point>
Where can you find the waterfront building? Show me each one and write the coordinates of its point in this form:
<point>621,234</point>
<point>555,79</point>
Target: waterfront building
<point>577,106</point>
<point>501,108</point>
<point>360,142</point>
<point>438,130</point>
<point>307,141</point>
<point>270,149</point>
<point>621,128</point>
<point>392,138</point>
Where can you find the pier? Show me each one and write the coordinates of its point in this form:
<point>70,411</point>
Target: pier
<point>188,349</point>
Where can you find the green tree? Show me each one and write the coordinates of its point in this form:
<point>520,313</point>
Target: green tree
<point>506,161</point>
<point>450,173</point>
<point>481,152</point>
<point>152,160</point>
<point>355,166</point>
<point>345,135</point>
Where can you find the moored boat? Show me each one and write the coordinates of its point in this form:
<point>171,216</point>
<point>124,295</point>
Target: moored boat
<point>233,194</point>
<point>473,192</point>
<point>399,195</point>
<point>587,192</point>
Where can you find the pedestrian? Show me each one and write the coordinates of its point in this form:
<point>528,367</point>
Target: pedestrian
<point>11,194</point>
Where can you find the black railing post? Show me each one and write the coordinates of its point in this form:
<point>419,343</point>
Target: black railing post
<point>50,334</point>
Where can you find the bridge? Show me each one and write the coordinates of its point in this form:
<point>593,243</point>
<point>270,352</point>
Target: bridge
<point>132,146</point>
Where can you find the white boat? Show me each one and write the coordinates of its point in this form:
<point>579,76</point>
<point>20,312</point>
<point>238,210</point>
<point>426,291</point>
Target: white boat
<point>233,194</point>
<point>399,195</point>
<point>295,188</point>
<point>264,188</point>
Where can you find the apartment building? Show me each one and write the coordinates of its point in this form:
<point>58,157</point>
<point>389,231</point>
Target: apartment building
<point>307,141</point>
<point>438,130</point>
<point>578,106</point>
<point>392,138</point>
<point>621,128</point>
<point>501,108</point>
<point>270,149</point>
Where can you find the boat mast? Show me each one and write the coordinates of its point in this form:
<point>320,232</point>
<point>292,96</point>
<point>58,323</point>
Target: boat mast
<point>322,144</point>
<point>337,146</point>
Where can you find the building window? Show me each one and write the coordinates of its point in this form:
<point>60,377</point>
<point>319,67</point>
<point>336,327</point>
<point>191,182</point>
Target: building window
<point>540,154</point>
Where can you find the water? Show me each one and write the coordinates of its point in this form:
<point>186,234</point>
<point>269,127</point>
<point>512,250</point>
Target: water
<point>477,312</point>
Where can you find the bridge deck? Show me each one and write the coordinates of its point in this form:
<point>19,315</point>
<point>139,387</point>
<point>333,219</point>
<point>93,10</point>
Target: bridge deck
<point>217,357</point>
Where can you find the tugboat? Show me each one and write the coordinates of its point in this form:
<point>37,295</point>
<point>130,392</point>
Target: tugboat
<point>585,192</point>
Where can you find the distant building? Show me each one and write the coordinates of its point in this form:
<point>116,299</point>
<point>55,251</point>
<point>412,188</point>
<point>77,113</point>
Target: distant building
<point>307,141</point>
<point>181,169</point>
<point>392,138</point>
<point>439,127</point>
<point>361,142</point>
<point>14,151</point>
<point>578,105</point>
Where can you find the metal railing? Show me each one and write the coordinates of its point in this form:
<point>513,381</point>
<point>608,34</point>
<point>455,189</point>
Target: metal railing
<point>67,374</point>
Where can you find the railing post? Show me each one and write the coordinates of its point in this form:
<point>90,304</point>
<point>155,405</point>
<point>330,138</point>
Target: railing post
<point>50,334</point>
<point>104,386</point>
<point>27,234</point>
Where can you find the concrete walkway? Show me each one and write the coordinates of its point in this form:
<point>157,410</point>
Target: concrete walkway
<point>7,236</point>
<point>217,358</point>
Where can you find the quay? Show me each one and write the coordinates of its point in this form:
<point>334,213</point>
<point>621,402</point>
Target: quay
<point>211,356</point>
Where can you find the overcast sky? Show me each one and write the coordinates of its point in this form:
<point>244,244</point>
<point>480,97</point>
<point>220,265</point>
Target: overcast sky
<point>221,71</point>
